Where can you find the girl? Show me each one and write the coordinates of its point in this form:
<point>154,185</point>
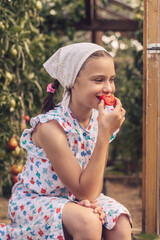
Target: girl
<point>58,195</point>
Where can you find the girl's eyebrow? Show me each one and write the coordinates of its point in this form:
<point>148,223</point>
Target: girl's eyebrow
<point>113,76</point>
<point>100,75</point>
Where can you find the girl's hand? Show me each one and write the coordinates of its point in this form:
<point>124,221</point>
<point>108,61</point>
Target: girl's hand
<point>96,209</point>
<point>110,122</point>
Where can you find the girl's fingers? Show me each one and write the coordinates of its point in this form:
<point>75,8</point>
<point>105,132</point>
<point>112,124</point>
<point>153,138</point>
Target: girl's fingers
<point>96,208</point>
<point>118,104</point>
<point>101,215</point>
<point>85,203</point>
<point>101,106</point>
<point>123,111</point>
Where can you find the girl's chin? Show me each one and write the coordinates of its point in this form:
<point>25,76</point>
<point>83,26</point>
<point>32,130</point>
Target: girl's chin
<point>96,107</point>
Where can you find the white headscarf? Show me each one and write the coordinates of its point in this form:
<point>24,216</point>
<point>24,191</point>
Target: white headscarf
<point>65,63</point>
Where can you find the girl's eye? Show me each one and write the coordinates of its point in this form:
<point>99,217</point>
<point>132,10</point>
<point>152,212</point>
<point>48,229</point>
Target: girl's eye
<point>112,80</point>
<point>99,80</point>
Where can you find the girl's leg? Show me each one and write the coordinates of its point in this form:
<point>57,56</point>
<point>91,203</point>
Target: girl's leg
<point>66,234</point>
<point>121,231</point>
<point>80,223</point>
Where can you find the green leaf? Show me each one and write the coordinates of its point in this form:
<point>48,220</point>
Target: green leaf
<point>28,50</point>
<point>16,28</point>
<point>21,53</point>
<point>38,86</point>
<point>33,29</point>
<point>30,101</point>
<point>25,34</point>
<point>6,43</point>
<point>12,20</point>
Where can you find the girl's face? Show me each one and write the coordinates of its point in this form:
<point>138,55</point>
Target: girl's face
<point>94,80</point>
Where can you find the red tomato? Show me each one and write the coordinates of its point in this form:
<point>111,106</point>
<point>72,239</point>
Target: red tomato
<point>16,168</point>
<point>108,100</point>
<point>26,118</point>
<point>15,179</point>
<point>12,143</point>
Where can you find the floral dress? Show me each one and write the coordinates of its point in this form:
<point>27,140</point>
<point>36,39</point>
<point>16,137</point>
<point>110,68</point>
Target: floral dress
<point>37,201</point>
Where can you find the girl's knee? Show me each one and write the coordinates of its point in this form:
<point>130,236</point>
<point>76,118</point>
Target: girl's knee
<point>81,222</point>
<point>122,230</point>
<point>91,225</point>
<point>123,226</point>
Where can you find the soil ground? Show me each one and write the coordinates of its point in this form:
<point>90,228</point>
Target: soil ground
<point>128,195</point>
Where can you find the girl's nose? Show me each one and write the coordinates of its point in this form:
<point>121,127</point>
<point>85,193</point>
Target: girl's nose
<point>107,87</point>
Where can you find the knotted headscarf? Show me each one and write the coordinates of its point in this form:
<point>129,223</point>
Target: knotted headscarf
<point>65,64</point>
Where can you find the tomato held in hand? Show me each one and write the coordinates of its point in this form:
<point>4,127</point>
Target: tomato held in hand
<point>16,169</point>
<point>108,100</point>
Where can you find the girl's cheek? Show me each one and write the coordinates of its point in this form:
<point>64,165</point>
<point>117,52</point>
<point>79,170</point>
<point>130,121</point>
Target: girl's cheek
<point>114,87</point>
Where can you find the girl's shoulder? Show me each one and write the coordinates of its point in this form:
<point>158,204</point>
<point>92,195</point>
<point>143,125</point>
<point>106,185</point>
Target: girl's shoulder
<point>55,114</point>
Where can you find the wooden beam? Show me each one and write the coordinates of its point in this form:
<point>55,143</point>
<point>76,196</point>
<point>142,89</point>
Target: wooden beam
<point>89,11</point>
<point>118,3</point>
<point>108,25</point>
<point>151,118</point>
<point>112,12</point>
<point>96,37</point>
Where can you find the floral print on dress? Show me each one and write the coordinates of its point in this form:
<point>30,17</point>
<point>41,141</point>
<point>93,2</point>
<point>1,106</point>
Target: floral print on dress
<point>37,200</point>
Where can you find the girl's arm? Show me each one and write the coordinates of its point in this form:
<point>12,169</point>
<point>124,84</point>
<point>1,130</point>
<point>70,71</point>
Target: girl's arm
<point>85,184</point>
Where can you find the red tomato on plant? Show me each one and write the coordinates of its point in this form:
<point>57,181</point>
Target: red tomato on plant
<point>15,179</point>
<point>12,143</point>
<point>16,169</point>
<point>26,118</point>
<point>108,100</point>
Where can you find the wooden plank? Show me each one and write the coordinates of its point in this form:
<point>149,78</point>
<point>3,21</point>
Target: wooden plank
<point>112,12</point>
<point>108,25</point>
<point>118,3</point>
<point>158,152</point>
<point>151,119</point>
<point>151,142</point>
<point>97,37</point>
<point>89,11</point>
<point>144,119</point>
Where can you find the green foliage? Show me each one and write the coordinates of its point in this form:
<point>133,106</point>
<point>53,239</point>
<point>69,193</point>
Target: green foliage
<point>127,148</point>
<point>30,31</point>
<point>143,236</point>
<point>64,14</point>
<point>19,85</point>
